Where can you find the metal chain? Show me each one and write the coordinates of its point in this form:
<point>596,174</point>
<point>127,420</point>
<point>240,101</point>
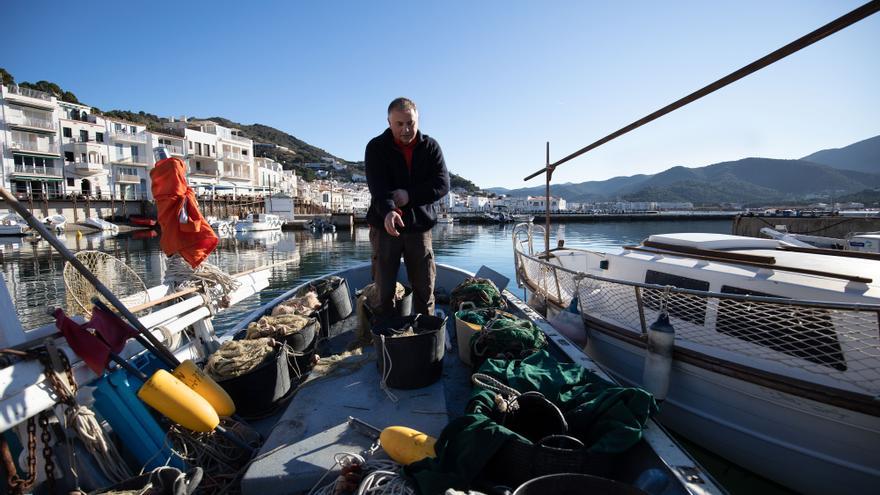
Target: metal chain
<point>17,484</point>
<point>46,437</point>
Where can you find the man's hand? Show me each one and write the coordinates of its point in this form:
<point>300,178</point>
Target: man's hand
<point>401,197</point>
<point>392,220</point>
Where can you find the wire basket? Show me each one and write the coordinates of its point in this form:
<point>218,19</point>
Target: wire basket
<point>121,280</point>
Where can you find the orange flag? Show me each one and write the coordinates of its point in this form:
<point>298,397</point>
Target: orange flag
<point>184,230</point>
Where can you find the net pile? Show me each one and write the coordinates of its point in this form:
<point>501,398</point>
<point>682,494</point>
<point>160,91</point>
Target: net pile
<point>826,343</point>
<point>237,357</point>
<point>304,305</point>
<point>277,326</point>
<point>502,336</point>
<point>121,280</point>
<point>481,292</point>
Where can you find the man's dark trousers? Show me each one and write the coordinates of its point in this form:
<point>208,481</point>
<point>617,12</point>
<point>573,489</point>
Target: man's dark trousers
<point>419,260</point>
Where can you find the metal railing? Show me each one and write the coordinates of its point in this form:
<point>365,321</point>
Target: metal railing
<point>38,170</point>
<point>37,147</point>
<point>132,160</point>
<point>38,123</point>
<point>240,139</point>
<point>237,174</point>
<point>30,93</point>
<point>227,155</point>
<point>88,166</point>
<point>140,137</point>
<point>173,149</point>
<point>127,178</point>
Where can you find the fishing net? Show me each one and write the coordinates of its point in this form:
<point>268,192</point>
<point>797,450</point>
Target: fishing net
<point>482,292</point>
<point>237,357</point>
<point>832,342</point>
<point>277,326</point>
<point>503,336</point>
<point>303,306</point>
<point>121,280</point>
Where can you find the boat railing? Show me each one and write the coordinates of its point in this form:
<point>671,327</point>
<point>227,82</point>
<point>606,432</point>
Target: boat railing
<point>828,340</point>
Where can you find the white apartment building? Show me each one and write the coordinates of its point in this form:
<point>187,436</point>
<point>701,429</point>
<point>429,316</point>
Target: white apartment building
<point>539,203</point>
<point>85,150</point>
<point>31,155</point>
<point>131,158</point>
<point>220,160</point>
<point>268,176</point>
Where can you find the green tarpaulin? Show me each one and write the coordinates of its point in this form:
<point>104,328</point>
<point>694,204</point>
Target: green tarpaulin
<point>607,418</point>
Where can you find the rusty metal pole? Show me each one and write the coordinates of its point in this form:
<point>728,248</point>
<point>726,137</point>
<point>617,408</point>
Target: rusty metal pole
<point>547,206</point>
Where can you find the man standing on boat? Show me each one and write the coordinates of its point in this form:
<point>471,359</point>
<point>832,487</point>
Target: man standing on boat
<point>406,175</point>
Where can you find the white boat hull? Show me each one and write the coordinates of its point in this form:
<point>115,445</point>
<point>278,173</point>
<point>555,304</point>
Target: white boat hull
<point>255,227</point>
<point>805,445</point>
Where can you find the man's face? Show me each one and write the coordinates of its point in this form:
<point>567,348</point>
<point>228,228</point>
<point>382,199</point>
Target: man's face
<point>404,124</point>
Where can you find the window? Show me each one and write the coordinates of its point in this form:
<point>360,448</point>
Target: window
<point>68,156</point>
<point>83,136</point>
<point>70,182</point>
<point>117,127</point>
<point>688,308</point>
<point>213,150</point>
<point>198,165</point>
<point>132,129</point>
<point>66,132</point>
<point>806,333</point>
<point>198,148</point>
<point>134,153</point>
<point>120,149</point>
<point>244,152</point>
<point>82,157</point>
<point>99,137</point>
<point>190,145</point>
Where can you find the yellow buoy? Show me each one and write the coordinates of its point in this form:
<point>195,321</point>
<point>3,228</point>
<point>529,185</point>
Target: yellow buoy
<point>179,403</point>
<point>202,384</point>
<point>405,445</point>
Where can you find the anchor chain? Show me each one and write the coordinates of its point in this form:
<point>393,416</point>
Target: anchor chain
<point>46,437</point>
<point>17,484</point>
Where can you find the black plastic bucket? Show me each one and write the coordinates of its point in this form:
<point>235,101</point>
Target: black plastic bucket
<point>335,292</point>
<point>303,363</point>
<point>415,361</point>
<point>303,339</point>
<point>402,307</point>
<point>575,484</point>
<point>257,392</point>
<point>520,460</point>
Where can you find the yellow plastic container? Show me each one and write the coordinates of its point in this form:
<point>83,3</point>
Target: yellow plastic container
<point>405,445</point>
<point>193,377</point>
<point>179,403</point>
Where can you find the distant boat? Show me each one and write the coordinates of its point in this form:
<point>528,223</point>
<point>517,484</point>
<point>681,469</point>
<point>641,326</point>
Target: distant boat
<point>13,224</point>
<point>222,228</point>
<point>141,221</point>
<point>320,225</point>
<point>445,218</point>
<point>261,221</point>
<point>102,225</point>
<point>55,222</point>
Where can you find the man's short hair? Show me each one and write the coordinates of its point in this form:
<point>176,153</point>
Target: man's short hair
<point>402,104</point>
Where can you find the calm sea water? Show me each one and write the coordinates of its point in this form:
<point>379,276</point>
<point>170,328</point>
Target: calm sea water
<point>33,271</point>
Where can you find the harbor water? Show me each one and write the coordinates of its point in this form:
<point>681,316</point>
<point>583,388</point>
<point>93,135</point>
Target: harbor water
<point>33,271</point>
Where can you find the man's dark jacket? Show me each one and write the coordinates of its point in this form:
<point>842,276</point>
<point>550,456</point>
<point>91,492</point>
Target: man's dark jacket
<point>426,183</point>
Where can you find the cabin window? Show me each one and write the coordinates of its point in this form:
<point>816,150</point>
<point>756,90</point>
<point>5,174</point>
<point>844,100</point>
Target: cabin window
<point>807,333</point>
<point>692,309</point>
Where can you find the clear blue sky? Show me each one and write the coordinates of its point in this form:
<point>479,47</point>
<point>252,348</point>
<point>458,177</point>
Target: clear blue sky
<point>494,80</point>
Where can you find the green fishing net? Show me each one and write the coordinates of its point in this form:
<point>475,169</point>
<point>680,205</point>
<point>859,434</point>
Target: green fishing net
<point>482,292</point>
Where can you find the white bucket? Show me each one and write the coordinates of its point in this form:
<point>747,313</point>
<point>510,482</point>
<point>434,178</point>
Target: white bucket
<point>463,333</point>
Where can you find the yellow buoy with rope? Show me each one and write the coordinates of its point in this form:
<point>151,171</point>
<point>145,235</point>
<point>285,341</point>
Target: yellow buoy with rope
<point>193,377</point>
<point>179,403</point>
<point>405,445</point>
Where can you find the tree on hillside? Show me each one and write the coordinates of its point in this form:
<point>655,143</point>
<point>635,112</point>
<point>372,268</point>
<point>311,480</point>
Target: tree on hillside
<point>6,78</point>
<point>69,97</point>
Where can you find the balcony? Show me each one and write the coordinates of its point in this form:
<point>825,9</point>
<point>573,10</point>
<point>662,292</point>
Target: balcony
<point>32,124</point>
<point>130,137</point>
<point>40,148</point>
<point>134,161</point>
<point>29,97</point>
<point>127,179</point>
<point>87,169</point>
<point>237,174</point>
<point>173,149</point>
<point>228,155</point>
<point>233,137</point>
<point>38,170</point>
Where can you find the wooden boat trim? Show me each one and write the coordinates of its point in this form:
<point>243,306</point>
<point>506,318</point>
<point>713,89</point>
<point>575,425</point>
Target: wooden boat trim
<point>842,276</point>
<point>754,258</point>
<point>831,252</point>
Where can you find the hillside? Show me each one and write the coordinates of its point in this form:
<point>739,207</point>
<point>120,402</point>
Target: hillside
<point>746,180</point>
<point>863,156</point>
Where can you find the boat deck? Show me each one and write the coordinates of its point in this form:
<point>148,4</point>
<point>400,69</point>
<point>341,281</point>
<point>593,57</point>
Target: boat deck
<point>303,439</point>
